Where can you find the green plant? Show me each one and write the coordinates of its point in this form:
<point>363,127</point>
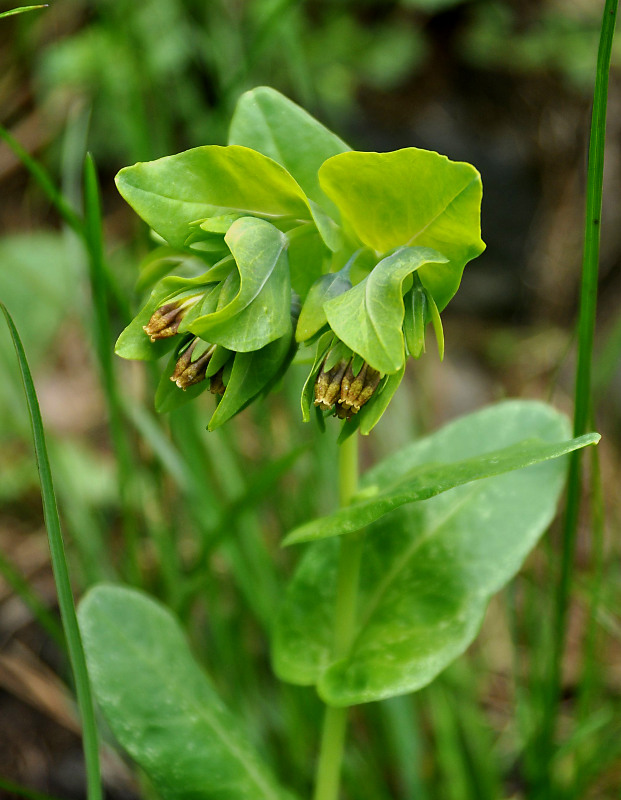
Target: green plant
<point>286,244</point>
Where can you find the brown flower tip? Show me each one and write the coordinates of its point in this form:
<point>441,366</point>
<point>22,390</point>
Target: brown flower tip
<point>187,371</point>
<point>216,384</point>
<point>166,320</point>
<point>349,392</point>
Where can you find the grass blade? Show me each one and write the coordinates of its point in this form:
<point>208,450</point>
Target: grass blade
<point>42,177</point>
<point>583,389</point>
<point>61,574</point>
<point>104,349</point>
<point>20,10</point>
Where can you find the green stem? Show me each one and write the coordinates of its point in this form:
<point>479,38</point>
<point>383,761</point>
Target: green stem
<point>586,329</point>
<point>335,719</point>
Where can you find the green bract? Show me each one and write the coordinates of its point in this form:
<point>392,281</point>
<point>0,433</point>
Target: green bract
<point>371,244</point>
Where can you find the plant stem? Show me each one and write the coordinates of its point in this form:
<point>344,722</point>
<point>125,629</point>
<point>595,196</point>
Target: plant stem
<point>335,719</point>
<point>586,329</point>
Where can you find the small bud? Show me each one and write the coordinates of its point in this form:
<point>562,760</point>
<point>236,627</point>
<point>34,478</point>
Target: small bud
<point>188,372</point>
<point>166,320</point>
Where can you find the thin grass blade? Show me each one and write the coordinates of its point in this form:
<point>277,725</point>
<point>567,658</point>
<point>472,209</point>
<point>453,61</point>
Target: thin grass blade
<point>61,574</point>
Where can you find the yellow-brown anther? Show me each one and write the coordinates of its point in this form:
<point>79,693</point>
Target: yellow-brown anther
<point>355,393</point>
<point>328,385</point>
<point>188,372</point>
<point>166,320</point>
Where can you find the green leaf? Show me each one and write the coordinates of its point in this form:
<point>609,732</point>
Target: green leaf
<point>431,480</point>
<point>369,317</point>
<point>252,373</point>
<point>211,181</point>
<point>411,197</point>
<point>429,568</point>
<point>269,122</point>
<point>260,310</point>
<point>162,707</point>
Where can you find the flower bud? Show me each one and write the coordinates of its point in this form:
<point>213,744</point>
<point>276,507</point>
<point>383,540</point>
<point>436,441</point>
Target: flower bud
<point>341,390</point>
<point>328,385</point>
<point>188,372</point>
<point>166,320</point>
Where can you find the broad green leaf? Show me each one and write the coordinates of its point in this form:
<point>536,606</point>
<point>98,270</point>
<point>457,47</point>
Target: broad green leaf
<point>429,568</point>
<point>411,197</point>
<point>162,707</point>
<point>252,374</point>
<point>260,310</point>
<point>211,181</point>
<point>267,121</point>
<point>431,480</point>
<point>369,317</point>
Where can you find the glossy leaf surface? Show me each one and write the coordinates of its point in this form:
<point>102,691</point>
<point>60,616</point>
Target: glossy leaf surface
<point>211,181</point>
<point>429,568</point>
<point>162,707</point>
<point>411,197</point>
<point>431,480</point>
<point>269,122</point>
<point>369,317</point>
<point>260,309</point>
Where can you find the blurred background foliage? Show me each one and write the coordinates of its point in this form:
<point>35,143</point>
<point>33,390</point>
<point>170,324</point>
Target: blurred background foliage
<point>197,519</point>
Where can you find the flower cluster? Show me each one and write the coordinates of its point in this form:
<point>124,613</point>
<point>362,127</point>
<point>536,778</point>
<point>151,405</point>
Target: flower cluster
<point>370,247</point>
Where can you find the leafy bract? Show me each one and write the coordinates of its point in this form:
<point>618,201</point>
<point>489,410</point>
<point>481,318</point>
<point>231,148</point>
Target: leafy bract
<point>260,310</point>
<point>162,707</point>
<point>252,373</point>
<point>210,181</point>
<point>369,317</point>
<point>411,197</point>
<point>267,121</point>
<point>429,568</point>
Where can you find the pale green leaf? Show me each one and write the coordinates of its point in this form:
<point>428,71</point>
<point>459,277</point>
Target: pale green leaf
<point>267,121</point>
<point>161,706</point>
<point>211,181</point>
<point>411,197</point>
<point>430,480</point>
<point>429,568</point>
<point>259,309</point>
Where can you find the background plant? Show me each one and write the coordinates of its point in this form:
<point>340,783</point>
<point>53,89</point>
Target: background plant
<point>513,356</point>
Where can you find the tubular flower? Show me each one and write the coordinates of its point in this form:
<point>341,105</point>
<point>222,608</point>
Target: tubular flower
<point>165,321</point>
<point>342,389</point>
